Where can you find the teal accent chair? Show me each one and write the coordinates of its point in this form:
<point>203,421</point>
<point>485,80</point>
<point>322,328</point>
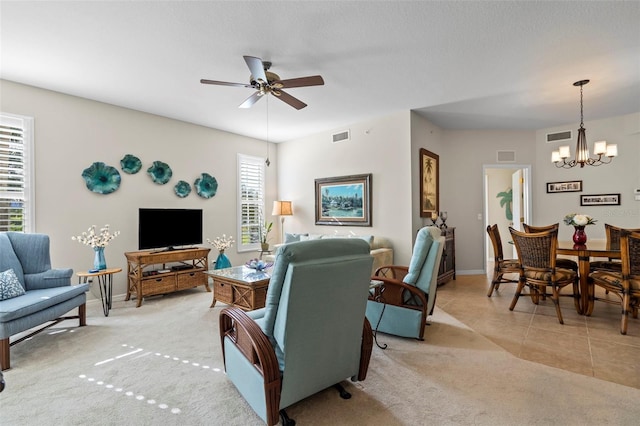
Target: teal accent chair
<point>312,333</point>
<point>48,291</point>
<point>401,304</point>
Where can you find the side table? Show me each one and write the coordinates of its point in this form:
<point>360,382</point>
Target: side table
<point>240,286</point>
<point>105,282</point>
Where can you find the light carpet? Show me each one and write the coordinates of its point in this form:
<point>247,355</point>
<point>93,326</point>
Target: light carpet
<point>161,364</point>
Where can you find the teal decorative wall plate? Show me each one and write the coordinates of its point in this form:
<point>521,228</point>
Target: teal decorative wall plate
<point>101,178</point>
<point>130,164</point>
<point>206,185</point>
<point>182,189</point>
<point>160,172</point>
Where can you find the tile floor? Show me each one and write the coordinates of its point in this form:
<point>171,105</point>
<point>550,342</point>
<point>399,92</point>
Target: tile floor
<point>592,346</point>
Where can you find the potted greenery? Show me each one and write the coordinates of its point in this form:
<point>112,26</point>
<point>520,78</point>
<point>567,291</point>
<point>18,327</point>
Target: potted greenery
<point>264,234</point>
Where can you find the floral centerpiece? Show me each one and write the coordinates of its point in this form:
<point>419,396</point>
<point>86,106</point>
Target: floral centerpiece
<point>575,219</point>
<point>258,264</point>
<point>97,241</point>
<point>221,244</point>
<point>579,221</point>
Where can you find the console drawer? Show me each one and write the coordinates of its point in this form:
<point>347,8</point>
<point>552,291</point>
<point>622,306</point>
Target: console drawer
<point>191,279</point>
<point>223,292</point>
<point>159,285</point>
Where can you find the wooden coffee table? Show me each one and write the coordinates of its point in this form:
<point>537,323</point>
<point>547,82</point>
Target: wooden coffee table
<point>239,286</point>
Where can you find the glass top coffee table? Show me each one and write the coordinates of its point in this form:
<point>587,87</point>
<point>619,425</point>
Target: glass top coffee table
<point>240,286</point>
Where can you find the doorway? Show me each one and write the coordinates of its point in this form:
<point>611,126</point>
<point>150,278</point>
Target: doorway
<point>507,202</point>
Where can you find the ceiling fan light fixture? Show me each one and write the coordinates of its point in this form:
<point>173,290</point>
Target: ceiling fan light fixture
<point>600,148</point>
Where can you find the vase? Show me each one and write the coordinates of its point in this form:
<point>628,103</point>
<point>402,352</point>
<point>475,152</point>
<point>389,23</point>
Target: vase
<point>579,236</point>
<point>264,246</point>
<point>99,262</point>
<point>222,261</point>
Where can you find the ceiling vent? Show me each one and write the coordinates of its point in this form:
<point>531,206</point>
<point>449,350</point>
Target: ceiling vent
<point>341,136</point>
<point>506,156</point>
<point>559,136</point>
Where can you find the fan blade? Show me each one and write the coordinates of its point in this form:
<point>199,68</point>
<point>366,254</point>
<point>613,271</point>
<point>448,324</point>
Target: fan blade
<point>224,83</point>
<point>285,97</point>
<point>256,67</point>
<point>314,80</point>
<point>251,100</point>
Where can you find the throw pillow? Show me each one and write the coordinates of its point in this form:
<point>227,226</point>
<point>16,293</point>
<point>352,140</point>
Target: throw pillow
<point>9,285</point>
<point>292,238</point>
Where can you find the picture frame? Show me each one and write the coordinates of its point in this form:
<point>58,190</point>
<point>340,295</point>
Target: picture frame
<point>429,184</point>
<point>343,200</point>
<point>568,186</point>
<point>600,200</point>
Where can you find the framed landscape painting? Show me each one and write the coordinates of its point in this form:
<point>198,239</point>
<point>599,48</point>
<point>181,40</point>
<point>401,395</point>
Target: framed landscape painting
<point>344,200</point>
<point>429,183</point>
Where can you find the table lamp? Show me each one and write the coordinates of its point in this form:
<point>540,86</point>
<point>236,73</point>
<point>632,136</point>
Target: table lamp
<point>282,209</point>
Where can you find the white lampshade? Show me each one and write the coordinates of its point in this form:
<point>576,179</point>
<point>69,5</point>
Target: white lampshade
<point>612,150</point>
<point>600,147</point>
<point>555,156</point>
<point>565,152</point>
<point>282,208</point>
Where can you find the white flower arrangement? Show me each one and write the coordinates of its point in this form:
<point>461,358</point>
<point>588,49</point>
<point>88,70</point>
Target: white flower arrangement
<point>90,238</point>
<point>222,243</point>
<point>575,219</point>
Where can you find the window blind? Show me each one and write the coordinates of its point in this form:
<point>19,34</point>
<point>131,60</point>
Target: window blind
<point>15,171</point>
<point>251,178</point>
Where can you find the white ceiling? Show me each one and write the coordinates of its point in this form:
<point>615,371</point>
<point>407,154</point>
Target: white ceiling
<point>463,65</point>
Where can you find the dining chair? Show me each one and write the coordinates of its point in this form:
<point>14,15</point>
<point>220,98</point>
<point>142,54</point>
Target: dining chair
<point>612,234</point>
<point>501,265</point>
<point>560,262</point>
<point>537,254</point>
<point>626,283</point>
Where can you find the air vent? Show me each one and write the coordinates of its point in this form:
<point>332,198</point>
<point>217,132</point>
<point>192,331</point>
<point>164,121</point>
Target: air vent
<point>506,156</point>
<point>559,136</point>
<point>341,136</point>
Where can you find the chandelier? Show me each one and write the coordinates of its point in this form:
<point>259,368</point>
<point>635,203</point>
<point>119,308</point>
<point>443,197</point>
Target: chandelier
<point>600,148</point>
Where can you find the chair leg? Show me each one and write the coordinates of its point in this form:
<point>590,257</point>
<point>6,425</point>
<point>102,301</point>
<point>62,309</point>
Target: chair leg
<point>556,301</point>
<point>4,354</point>
<point>626,301</point>
<point>517,295</point>
<point>576,296</point>
<point>497,276</point>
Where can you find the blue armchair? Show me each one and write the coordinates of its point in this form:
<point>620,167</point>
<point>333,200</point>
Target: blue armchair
<point>48,292</point>
<point>400,305</point>
<point>312,333</point>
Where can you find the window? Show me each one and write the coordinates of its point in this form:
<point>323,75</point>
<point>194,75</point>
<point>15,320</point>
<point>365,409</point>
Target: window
<point>251,179</point>
<point>16,173</point>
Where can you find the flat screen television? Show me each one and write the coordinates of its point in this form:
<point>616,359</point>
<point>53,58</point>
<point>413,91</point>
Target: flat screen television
<point>169,228</point>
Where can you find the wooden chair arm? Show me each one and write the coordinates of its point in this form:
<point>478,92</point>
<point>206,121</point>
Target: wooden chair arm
<point>392,271</point>
<point>392,290</point>
<point>365,349</point>
<point>249,338</point>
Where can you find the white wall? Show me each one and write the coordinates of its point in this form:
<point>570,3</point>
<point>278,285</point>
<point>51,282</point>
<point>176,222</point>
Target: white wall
<point>621,176</point>
<point>71,133</point>
<point>381,147</point>
<point>464,152</point>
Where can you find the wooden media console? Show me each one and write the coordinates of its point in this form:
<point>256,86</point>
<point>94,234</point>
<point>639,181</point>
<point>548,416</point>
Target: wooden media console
<point>185,270</point>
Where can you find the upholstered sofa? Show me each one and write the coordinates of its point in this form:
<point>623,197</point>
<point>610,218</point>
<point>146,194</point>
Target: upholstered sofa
<point>34,294</point>
<point>381,248</point>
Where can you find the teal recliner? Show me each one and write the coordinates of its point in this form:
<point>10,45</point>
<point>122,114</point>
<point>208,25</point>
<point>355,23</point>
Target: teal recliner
<point>312,333</point>
<point>400,305</point>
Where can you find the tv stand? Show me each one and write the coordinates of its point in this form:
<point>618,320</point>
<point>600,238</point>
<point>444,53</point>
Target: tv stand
<point>143,283</point>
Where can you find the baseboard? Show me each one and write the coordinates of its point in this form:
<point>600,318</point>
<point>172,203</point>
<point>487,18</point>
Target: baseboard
<point>471,272</point>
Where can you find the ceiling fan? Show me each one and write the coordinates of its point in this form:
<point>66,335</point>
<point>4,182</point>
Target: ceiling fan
<point>265,82</point>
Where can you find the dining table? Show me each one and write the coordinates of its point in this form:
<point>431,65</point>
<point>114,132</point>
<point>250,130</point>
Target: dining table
<point>585,252</point>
